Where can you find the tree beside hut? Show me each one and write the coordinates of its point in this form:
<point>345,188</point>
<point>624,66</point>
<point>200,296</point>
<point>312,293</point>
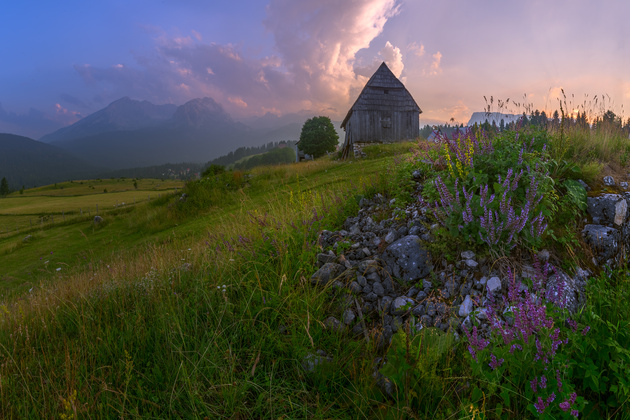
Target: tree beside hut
<point>384,112</point>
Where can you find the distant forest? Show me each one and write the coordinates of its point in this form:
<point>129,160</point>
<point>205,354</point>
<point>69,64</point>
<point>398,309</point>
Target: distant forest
<point>242,152</point>
<point>183,171</point>
<point>538,119</point>
<point>274,157</point>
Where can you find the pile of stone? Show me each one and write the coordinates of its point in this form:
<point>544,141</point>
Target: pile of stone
<point>383,278</point>
<point>609,233</point>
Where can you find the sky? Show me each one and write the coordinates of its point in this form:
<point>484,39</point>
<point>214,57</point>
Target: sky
<point>64,60</point>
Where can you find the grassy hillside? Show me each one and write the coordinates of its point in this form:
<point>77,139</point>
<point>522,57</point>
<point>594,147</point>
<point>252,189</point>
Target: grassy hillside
<point>203,309</point>
<point>26,162</point>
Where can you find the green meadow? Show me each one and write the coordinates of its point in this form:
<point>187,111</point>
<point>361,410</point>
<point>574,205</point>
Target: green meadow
<point>203,308</point>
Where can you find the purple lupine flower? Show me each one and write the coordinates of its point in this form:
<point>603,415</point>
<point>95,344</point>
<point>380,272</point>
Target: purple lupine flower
<point>534,384</point>
<point>540,405</point>
<point>494,363</point>
<point>558,381</point>
<point>585,330</point>
<point>564,406</point>
<point>543,382</point>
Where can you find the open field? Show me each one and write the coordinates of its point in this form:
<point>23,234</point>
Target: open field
<point>203,309</point>
<point>42,206</point>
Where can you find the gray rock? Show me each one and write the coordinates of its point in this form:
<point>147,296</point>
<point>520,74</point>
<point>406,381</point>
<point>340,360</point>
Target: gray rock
<point>452,287</point>
<point>391,236</point>
<point>333,323</point>
<point>415,230</point>
<point>312,360</point>
<point>426,320</point>
<point>441,308</point>
<point>430,309</point>
<point>481,314</point>
<point>367,266</point>
<point>328,272</point>
<point>406,260</point>
<point>609,181</point>
<point>377,288</point>
<point>348,316</point>
<point>493,285</point>
<point>401,305</point>
<point>385,303</point>
<point>373,276</point>
<point>584,184</point>
<point>623,185</point>
<point>471,264</point>
<point>418,310</point>
<point>421,296</point>
<point>371,297</point>
<point>603,240</point>
<point>468,255</point>
<point>361,280</point>
<point>367,289</point>
<point>329,257</point>
<point>27,238</point>
<point>427,285</point>
<point>358,329</point>
<point>466,307</point>
<point>98,219</point>
<point>543,256</point>
<point>567,291</point>
<point>608,209</point>
<point>355,287</point>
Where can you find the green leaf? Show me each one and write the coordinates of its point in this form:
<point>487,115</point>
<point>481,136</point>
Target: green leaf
<point>476,394</point>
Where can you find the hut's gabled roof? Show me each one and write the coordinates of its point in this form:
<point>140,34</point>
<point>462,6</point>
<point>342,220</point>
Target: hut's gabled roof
<point>372,97</point>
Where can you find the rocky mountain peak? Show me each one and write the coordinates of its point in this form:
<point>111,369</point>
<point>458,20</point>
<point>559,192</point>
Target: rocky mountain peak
<point>200,112</point>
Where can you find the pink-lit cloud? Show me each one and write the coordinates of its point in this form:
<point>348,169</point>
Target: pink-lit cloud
<point>315,48</point>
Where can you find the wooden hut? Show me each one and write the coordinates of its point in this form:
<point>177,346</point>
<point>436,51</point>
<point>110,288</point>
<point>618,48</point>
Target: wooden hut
<point>384,112</point>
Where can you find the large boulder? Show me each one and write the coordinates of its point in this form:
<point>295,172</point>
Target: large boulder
<point>603,240</point>
<point>567,291</point>
<point>406,259</point>
<point>608,209</point>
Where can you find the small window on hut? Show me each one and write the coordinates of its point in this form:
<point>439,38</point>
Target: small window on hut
<point>386,91</point>
<point>386,122</point>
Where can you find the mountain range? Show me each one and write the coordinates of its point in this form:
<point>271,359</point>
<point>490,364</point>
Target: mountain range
<point>492,117</point>
<point>130,133</point>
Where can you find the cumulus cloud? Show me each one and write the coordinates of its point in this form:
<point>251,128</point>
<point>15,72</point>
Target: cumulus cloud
<point>435,68</point>
<point>416,49</point>
<point>313,66</point>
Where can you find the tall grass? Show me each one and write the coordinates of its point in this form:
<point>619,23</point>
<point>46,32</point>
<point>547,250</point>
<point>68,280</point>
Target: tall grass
<point>216,328</point>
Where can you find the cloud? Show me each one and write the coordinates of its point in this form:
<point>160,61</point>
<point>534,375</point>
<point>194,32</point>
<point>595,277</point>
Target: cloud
<point>417,50</point>
<point>435,68</point>
<point>73,100</point>
<point>458,114</point>
<point>389,54</point>
<point>34,123</point>
<point>66,116</point>
<point>315,44</point>
<point>393,57</point>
